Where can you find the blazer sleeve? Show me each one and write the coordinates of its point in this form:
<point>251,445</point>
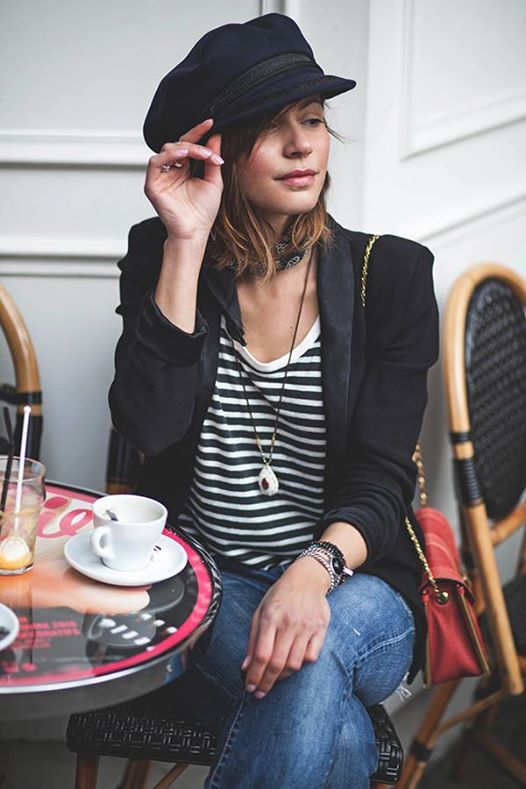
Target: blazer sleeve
<point>378,480</point>
<point>156,363</point>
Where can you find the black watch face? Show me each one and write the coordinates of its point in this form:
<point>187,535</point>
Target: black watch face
<point>337,565</point>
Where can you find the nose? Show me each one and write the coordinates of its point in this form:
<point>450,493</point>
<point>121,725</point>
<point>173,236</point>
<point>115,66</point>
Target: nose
<point>297,141</point>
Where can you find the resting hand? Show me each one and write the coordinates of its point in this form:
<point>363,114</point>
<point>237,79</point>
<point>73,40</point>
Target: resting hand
<point>288,627</point>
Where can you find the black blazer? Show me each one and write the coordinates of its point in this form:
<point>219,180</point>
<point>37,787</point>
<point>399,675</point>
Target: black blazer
<point>374,369</point>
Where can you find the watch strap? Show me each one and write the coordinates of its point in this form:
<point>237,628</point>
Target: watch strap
<point>326,562</point>
<point>330,556</point>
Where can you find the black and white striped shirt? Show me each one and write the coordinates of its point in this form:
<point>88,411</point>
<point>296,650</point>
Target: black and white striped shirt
<point>226,510</point>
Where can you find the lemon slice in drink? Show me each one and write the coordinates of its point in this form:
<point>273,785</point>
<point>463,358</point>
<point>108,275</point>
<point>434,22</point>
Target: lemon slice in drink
<point>14,553</point>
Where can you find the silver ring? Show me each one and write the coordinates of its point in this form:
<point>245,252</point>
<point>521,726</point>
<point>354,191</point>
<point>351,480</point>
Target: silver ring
<point>165,168</point>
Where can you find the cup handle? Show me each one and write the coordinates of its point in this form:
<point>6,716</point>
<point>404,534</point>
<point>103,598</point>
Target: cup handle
<point>97,536</point>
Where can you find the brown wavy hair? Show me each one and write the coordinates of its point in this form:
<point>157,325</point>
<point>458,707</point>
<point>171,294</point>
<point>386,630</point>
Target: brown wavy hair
<point>239,233</point>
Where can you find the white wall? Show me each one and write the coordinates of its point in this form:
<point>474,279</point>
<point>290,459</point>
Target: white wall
<point>445,151</point>
<point>436,153</point>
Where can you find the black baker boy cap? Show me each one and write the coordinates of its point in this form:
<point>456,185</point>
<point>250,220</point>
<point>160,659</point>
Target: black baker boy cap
<point>238,72</point>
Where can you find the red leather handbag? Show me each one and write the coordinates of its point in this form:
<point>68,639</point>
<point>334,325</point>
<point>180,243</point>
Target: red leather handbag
<point>455,647</point>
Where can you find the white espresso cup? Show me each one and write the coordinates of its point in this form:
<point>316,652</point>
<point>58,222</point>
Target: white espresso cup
<point>126,543</point>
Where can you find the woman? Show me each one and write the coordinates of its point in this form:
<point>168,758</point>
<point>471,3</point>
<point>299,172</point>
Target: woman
<point>277,413</point>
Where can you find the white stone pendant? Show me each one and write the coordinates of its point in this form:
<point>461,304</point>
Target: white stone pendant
<point>267,481</point>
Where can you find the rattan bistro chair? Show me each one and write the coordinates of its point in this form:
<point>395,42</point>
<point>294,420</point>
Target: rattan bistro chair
<point>484,352</point>
<point>157,727</point>
<point>26,390</point>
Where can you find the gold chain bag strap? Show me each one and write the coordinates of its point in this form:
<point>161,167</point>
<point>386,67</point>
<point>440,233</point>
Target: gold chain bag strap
<point>455,647</point>
<point>441,596</point>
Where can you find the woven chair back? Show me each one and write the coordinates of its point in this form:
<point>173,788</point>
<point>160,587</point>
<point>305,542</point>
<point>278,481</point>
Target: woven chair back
<point>495,348</point>
<point>26,390</point>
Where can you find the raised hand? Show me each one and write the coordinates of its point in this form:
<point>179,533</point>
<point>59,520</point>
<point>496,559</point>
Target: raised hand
<point>186,205</point>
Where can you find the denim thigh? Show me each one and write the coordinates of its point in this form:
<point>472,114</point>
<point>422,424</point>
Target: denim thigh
<point>370,634</point>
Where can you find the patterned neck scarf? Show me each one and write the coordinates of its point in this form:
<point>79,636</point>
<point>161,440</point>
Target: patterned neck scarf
<point>282,261</point>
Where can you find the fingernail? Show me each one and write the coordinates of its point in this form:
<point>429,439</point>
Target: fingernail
<point>250,688</point>
<point>217,159</point>
<point>182,151</point>
<point>245,663</point>
<point>259,694</point>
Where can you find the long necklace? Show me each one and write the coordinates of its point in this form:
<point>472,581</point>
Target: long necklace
<point>267,479</point>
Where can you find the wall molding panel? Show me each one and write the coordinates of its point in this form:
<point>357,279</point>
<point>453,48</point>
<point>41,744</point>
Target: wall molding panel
<point>490,215</point>
<point>59,257</point>
<point>32,268</point>
<point>66,149</point>
<point>61,248</point>
<point>487,111</point>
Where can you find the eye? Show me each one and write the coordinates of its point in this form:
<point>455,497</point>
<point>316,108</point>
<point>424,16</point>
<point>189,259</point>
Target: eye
<point>315,122</point>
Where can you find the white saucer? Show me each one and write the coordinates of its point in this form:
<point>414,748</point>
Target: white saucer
<point>168,558</point>
<point>9,620</point>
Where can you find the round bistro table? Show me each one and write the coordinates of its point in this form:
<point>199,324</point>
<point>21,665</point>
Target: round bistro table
<point>84,644</point>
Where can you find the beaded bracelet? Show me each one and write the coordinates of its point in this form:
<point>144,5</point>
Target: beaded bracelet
<point>324,552</point>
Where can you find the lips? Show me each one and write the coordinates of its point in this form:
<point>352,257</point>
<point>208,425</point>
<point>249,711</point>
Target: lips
<point>298,180</point>
<point>296,174</point>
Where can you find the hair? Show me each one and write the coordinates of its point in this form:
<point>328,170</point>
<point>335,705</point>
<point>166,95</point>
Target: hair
<point>239,233</point>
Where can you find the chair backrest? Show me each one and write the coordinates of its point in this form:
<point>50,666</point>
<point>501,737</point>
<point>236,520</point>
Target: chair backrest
<point>484,352</point>
<point>26,390</point>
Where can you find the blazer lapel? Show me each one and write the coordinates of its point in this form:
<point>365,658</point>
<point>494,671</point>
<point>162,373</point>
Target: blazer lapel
<point>222,287</point>
<point>336,293</point>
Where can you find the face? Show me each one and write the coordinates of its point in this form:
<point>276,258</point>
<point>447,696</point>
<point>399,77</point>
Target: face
<point>298,139</point>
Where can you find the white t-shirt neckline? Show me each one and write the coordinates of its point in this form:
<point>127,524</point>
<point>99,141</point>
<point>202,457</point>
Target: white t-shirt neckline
<point>276,364</point>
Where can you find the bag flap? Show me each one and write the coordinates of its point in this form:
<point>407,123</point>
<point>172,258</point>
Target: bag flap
<point>440,548</point>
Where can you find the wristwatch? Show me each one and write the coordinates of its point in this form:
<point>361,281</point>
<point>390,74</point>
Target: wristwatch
<point>330,556</point>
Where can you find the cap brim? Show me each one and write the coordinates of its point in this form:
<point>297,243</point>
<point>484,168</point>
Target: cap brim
<point>282,92</point>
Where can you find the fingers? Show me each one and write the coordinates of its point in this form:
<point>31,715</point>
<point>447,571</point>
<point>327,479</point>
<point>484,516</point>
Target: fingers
<point>296,658</point>
<point>196,132</point>
<point>286,660</point>
<point>271,654</point>
<point>175,156</point>
<point>164,169</point>
<point>314,647</point>
<point>212,172</point>
<point>262,637</point>
<point>179,153</point>
<point>251,646</point>
<point>311,655</point>
<point>172,156</point>
<point>188,146</point>
<point>171,167</point>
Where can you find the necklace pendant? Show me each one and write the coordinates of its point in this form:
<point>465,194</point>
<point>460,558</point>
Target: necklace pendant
<point>267,481</point>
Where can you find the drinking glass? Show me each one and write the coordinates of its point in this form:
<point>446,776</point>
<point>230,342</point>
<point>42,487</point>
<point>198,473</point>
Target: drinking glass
<point>18,530</point>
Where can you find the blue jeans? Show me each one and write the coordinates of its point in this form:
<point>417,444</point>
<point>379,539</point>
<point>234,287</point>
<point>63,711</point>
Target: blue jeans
<point>312,730</point>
